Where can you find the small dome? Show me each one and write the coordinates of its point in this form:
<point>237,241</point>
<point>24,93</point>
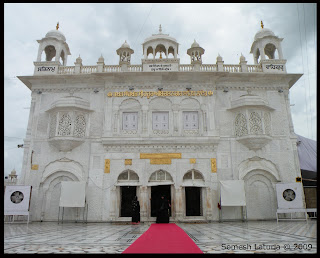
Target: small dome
<point>242,58</point>
<point>195,44</point>
<point>263,33</point>
<point>219,58</point>
<point>101,59</point>
<point>13,172</point>
<point>125,45</point>
<point>56,34</point>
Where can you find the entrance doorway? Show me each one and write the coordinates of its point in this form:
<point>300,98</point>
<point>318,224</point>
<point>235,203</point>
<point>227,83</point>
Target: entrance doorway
<point>193,203</point>
<point>127,195</point>
<point>156,193</point>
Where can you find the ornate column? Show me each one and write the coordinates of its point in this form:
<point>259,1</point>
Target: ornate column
<point>113,203</point>
<point>143,203</point>
<point>209,203</point>
<point>144,120</point>
<point>179,204</point>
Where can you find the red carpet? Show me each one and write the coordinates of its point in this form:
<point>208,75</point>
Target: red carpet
<point>163,238</point>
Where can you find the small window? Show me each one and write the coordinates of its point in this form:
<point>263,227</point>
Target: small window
<point>160,120</point>
<point>130,121</point>
<point>190,120</point>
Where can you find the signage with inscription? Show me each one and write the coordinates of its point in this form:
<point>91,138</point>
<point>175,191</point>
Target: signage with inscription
<point>150,94</point>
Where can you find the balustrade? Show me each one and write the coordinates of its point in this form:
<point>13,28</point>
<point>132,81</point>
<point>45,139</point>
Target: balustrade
<point>138,68</point>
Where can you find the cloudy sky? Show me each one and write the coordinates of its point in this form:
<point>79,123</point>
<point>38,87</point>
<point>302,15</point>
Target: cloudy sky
<point>93,30</point>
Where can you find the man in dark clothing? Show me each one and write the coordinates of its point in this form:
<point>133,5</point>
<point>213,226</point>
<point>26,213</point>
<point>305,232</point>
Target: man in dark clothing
<point>163,212</point>
<point>135,211</point>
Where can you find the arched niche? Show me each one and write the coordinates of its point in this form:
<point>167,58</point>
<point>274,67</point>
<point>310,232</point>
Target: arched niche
<point>257,163</point>
<point>160,103</point>
<point>130,104</point>
<point>260,195</point>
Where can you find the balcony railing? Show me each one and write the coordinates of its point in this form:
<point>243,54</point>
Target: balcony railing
<point>138,68</point>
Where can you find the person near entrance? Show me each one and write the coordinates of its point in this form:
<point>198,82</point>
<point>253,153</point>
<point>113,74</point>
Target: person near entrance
<point>135,211</point>
<point>163,212</point>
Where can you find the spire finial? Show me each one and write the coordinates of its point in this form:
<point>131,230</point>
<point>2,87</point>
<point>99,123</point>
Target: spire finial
<point>261,24</point>
<point>160,29</point>
<point>57,27</point>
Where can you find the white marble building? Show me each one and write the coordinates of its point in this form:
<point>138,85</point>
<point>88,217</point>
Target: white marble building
<point>159,127</point>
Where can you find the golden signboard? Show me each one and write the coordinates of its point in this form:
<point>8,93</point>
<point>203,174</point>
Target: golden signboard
<point>160,161</point>
<point>192,161</point>
<point>160,155</point>
<point>107,166</point>
<point>35,167</point>
<point>213,165</point>
<point>128,161</point>
<point>159,93</point>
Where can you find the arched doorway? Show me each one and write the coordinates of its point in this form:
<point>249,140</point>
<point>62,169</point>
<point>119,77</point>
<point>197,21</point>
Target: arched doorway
<point>193,183</point>
<point>260,195</point>
<point>51,199</point>
<point>127,181</point>
<point>160,183</point>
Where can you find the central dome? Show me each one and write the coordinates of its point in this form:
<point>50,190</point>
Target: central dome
<point>263,33</point>
<point>56,34</point>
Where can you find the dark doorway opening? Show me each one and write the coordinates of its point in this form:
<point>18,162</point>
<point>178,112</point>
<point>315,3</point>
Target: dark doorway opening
<point>193,203</point>
<point>127,194</point>
<point>156,193</point>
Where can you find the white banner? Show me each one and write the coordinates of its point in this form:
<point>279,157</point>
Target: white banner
<point>232,193</point>
<point>72,194</point>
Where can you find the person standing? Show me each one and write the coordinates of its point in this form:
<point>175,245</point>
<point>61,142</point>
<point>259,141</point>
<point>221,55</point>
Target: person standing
<point>163,212</point>
<point>135,211</point>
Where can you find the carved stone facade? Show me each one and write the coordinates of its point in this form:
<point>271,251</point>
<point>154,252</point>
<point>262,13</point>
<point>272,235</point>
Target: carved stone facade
<point>159,128</point>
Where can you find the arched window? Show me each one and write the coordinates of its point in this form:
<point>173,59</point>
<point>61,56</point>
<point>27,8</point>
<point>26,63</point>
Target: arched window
<point>193,175</point>
<point>150,51</point>
<point>50,52</point>
<point>128,175</point>
<point>160,175</point>
<point>270,51</point>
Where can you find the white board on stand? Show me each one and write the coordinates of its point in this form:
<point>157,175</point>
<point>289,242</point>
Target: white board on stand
<point>72,194</point>
<point>17,199</point>
<point>289,196</point>
<point>232,193</point>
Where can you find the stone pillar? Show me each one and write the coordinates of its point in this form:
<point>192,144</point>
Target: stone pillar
<point>179,204</point>
<point>243,64</point>
<point>78,65</point>
<point>100,64</point>
<point>220,63</point>
<point>144,203</point>
<point>124,66</point>
<point>144,120</point>
<point>209,203</point>
<point>113,203</point>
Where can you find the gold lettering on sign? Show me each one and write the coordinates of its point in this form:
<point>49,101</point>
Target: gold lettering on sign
<point>160,161</point>
<point>107,166</point>
<point>35,167</point>
<point>128,161</point>
<point>213,165</point>
<point>192,161</point>
<point>160,155</point>
<point>150,94</point>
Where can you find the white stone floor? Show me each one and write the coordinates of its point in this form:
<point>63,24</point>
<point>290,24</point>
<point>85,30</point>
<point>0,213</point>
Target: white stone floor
<point>225,237</point>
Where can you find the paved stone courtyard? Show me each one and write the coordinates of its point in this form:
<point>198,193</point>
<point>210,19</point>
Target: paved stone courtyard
<point>215,237</point>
